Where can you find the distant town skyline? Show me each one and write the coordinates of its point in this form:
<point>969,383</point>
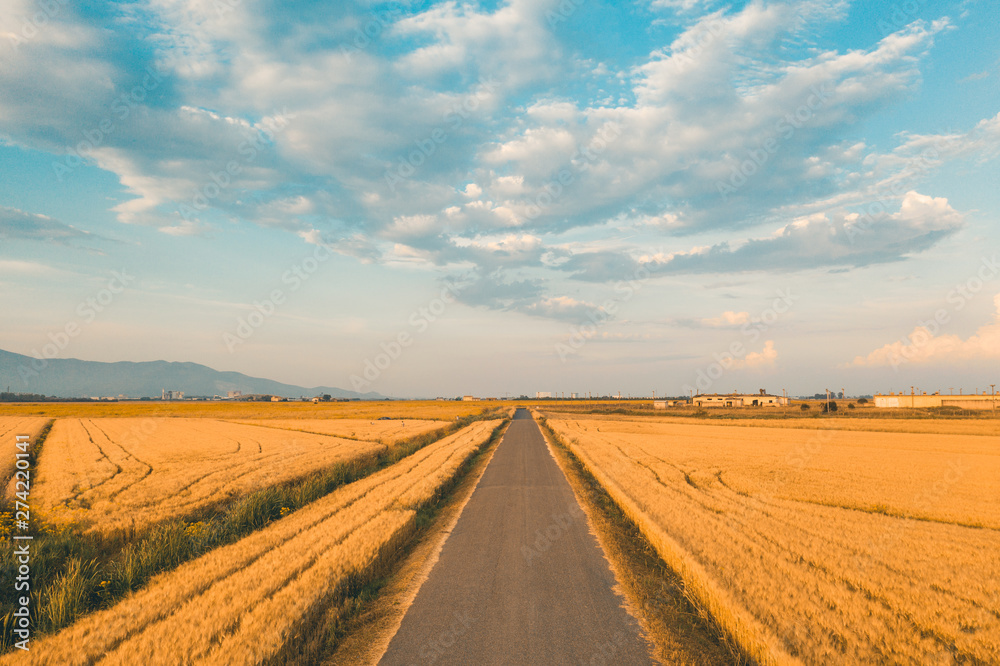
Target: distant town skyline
<point>436,198</point>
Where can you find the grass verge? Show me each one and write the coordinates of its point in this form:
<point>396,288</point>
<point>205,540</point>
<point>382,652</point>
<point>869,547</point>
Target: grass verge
<point>681,628</point>
<point>792,412</point>
<point>74,573</point>
<point>344,614</point>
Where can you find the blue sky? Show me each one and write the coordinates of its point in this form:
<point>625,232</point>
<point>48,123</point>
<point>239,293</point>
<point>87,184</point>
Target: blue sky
<point>436,198</point>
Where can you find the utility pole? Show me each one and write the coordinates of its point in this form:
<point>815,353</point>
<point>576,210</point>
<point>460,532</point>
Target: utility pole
<point>827,401</point>
<point>993,392</point>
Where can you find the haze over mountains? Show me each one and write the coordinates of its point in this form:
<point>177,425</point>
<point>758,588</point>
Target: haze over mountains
<point>72,378</point>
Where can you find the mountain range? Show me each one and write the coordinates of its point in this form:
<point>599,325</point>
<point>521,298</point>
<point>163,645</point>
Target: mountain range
<point>72,378</point>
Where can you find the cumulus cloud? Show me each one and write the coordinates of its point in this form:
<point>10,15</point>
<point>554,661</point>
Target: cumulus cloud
<point>923,346</point>
<point>560,307</point>
<point>829,241</point>
<point>18,225</point>
<point>462,109</point>
<point>727,318</point>
<point>765,358</point>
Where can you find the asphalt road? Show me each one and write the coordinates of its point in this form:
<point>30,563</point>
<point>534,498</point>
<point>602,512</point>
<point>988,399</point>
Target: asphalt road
<point>520,580</point>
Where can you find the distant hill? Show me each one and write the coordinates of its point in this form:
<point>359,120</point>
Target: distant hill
<point>71,378</point>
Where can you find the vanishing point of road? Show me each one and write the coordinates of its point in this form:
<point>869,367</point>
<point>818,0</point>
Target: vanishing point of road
<point>520,580</point>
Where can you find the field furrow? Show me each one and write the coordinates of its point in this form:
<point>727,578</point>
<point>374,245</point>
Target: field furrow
<point>385,431</point>
<point>802,549</point>
<point>10,427</point>
<point>112,474</point>
<point>243,602</point>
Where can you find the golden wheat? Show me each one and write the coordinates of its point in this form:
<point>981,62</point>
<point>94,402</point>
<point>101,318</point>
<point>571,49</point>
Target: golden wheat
<point>823,547</point>
<point>115,473</point>
<point>444,410</point>
<point>385,432</point>
<point>241,604</point>
<point>10,428</point>
<point>936,426</point>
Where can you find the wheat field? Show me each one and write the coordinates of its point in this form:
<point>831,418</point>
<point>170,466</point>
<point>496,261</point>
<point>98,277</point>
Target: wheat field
<point>773,418</point>
<point>385,432</point>
<point>817,547</point>
<point>10,427</point>
<point>243,603</point>
<point>443,410</point>
<point>115,473</point>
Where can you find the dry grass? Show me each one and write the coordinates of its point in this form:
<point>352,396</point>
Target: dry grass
<point>443,410</point>
<point>247,602</point>
<point>10,427</point>
<point>774,418</point>
<point>112,474</point>
<point>680,633</point>
<point>384,432</point>
<point>817,547</point>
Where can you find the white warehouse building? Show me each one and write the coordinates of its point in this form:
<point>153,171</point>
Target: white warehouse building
<point>761,399</point>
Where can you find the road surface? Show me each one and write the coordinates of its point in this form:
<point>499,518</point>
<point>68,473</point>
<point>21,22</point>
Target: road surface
<point>520,580</point>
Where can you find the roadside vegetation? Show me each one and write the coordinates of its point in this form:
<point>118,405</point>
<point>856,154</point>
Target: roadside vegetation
<point>814,547</point>
<point>76,570</point>
<point>683,631</point>
<point>261,595</point>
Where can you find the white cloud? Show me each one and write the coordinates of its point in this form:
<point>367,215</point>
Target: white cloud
<point>561,307</point>
<point>765,358</point>
<point>727,318</point>
<point>922,346</point>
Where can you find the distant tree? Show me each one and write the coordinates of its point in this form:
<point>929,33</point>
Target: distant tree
<point>819,396</point>
<point>862,401</point>
<point>326,397</point>
<point>840,395</point>
<point>850,405</point>
<point>830,406</point>
<point>805,407</point>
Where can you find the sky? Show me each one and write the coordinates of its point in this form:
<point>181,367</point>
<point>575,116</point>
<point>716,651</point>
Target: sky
<point>496,198</point>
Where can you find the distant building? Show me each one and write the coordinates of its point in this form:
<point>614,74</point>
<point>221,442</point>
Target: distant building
<point>915,400</point>
<point>574,396</point>
<point>172,395</point>
<point>277,398</point>
<point>664,404</point>
<point>234,394</point>
<point>469,398</point>
<point>739,400</point>
<point>543,394</point>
